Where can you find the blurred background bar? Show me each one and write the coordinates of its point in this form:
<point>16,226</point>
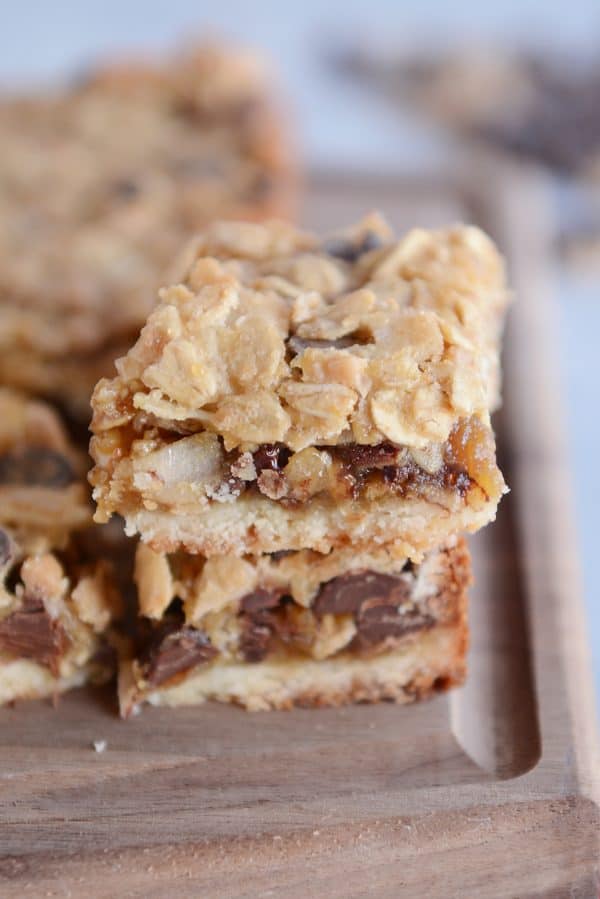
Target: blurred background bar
<point>343,67</point>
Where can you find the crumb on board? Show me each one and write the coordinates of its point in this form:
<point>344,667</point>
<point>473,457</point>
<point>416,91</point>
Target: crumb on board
<point>99,745</point>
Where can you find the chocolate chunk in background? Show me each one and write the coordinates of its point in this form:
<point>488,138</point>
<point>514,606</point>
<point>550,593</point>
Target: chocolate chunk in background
<point>174,650</point>
<point>350,251</point>
<point>345,595</point>
<point>30,633</point>
<point>36,466</point>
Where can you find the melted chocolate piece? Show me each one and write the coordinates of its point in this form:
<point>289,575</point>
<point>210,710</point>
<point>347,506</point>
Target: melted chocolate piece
<point>260,599</point>
<point>31,633</point>
<point>263,619</point>
<point>359,457</point>
<point>398,469</point>
<point>256,637</point>
<point>350,251</point>
<point>36,466</point>
<point>174,650</point>
<point>377,622</point>
<point>271,457</point>
<point>346,594</point>
<point>5,548</point>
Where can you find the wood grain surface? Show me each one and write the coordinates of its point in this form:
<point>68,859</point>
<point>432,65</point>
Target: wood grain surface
<point>490,792</point>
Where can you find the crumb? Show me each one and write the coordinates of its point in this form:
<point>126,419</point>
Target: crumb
<point>99,745</point>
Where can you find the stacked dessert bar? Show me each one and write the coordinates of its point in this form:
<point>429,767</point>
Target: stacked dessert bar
<point>101,183</point>
<point>301,436</point>
<point>58,595</point>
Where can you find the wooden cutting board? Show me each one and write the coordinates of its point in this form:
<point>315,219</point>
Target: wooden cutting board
<point>490,792</point>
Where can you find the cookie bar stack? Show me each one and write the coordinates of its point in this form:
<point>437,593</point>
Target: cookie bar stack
<point>102,183</point>
<point>301,435</point>
<point>57,594</point>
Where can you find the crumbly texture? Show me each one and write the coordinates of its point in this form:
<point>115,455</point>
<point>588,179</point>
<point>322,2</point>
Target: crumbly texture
<point>55,613</point>
<point>218,583</point>
<point>101,184</point>
<point>43,494</point>
<point>276,339</point>
<point>285,613</point>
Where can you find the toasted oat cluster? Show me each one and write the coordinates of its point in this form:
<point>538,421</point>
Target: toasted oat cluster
<point>286,373</point>
<point>102,182</point>
<point>212,626</point>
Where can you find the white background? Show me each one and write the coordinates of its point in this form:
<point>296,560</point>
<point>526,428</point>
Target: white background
<point>340,126</point>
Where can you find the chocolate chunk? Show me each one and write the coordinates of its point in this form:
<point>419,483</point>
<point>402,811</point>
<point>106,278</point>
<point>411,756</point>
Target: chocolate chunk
<point>350,251</point>
<point>561,127</point>
<point>5,548</point>
<point>259,599</point>
<point>174,650</point>
<point>261,624</point>
<point>360,457</point>
<point>298,344</point>
<point>345,595</point>
<point>31,633</point>
<point>36,466</point>
<point>271,457</point>
<point>377,622</point>
<point>255,640</point>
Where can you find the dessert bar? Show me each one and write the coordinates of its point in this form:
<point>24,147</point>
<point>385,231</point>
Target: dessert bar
<point>296,628</point>
<point>292,393</point>
<point>55,612</point>
<point>58,587</point>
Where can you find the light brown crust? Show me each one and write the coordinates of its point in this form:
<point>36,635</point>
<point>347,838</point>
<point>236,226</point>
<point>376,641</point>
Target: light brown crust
<point>440,668</point>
